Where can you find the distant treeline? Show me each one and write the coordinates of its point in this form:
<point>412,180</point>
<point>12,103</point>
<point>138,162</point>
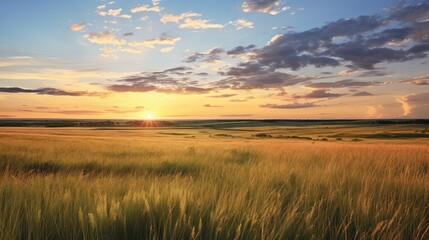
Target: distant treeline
<point>193,123</point>
<point>408,121</point>
<point>82,123</point>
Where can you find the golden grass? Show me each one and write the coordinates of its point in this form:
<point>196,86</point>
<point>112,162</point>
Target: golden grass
<point>142,184</point>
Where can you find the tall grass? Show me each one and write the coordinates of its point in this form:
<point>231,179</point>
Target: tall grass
<point>142,188</point>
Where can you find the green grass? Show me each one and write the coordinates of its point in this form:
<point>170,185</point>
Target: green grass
<point>117,184</point>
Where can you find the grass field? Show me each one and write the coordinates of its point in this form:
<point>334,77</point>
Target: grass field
<point>267,182</point>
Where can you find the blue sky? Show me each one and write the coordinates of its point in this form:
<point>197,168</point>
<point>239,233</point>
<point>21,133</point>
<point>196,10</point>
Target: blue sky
<point>108,59</point>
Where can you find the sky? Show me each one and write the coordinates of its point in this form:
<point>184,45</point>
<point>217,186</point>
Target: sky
<point>214,59</point>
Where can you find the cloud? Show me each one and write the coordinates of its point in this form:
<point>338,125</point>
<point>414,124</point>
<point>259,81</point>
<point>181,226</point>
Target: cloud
<point>101,7</point>
<point>241,23</point>
<point>177,18</point>
<point>342,84</point>
<point>211,106</point>
<point>240,50</point>
<point>188,20</point>
<point>55,74</point>
<point>294,105</point>
<point>111,12</point>
<point>146,8</point>
<point>156,2</point>
<point>319,93</point>
<point>420,80</point>
<point>78,27</point>
<point>361,42</point>
<point>18,61</point>
<point>238,100</point>
<point>372,73</point>
<point>128,34</point>
<point>104,38</point>
<point>346,72</point>
<point>167,49</point>
<point>210,56</point>
<point>265,6</point>
<point>224,95</point>
<point>255,80</point>
<point>362,94</point>
<point>415,105</point>
<point>162,82</point>
<point>48,91</point>
<point>126,16</point>
<point>151,43</point>
<point>199,24</point>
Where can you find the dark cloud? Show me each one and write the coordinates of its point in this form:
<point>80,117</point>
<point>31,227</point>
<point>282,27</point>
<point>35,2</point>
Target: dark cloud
<point>342,84</point>
<point>410,13</point>
<point>258,80</point>
<point>363,94</point>
<point>162,82</point>
<point>223,96</point>
<point>139,107</point>
<point>128,34</point>
<point>372,73</point>
<point>294,105</point>
<point>320,93</point>
<point>361,42</point>
<point>48,91</point>
<point>266,6</point>
<point>177,70</point>
<point>211,106</point>
<point>240,50</point>
<point>208,57</point>
<point>202,74</point>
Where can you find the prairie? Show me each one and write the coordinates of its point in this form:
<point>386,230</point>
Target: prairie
<point>260,182</point>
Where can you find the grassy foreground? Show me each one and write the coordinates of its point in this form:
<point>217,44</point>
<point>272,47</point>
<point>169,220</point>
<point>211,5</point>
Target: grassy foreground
<point>153,184</point>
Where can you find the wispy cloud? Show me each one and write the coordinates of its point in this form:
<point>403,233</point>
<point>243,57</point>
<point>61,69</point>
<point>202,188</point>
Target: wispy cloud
<point>78,27</point>
<point>104,38</point>
<point>146,8</point>
<point>342,84</point>
<point>319,93</point>
<point>49,91</point>
<point>177,18</point>
<point>199,24</point>
<point>211,106</point>
<point>18,61</point>
<point>151,43</point>
<point>111,12</point>
<point>294,105</point>
<point>241,23</point>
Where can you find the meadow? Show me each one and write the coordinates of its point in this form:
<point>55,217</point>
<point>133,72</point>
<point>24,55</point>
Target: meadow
<point>245,182</point>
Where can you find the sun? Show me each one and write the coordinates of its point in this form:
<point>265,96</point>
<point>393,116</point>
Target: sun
<point>149,117</point>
